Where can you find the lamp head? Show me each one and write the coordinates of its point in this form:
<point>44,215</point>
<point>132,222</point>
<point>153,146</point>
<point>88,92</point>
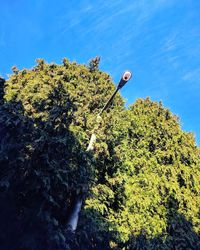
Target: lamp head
<point>124,79</point>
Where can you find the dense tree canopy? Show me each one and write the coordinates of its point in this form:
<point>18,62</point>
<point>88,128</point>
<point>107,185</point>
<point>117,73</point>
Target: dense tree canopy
<point>141,185</point>
<point>157,178</point>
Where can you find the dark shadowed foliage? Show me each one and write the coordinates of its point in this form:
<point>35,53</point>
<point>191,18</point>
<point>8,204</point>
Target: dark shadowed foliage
<point>42,169</point>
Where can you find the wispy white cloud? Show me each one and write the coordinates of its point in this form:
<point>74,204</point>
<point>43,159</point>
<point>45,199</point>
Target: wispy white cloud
<point>192,75</point>
<point>170,44</point>
<point>105,14</point>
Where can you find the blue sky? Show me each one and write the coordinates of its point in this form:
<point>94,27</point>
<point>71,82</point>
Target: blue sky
<point>158,40</point>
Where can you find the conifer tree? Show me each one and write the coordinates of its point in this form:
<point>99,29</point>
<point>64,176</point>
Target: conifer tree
<point>141,185</point>
<point>155,185</point>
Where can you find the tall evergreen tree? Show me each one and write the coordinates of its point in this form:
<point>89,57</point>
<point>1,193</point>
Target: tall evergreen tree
<point>141,185</point>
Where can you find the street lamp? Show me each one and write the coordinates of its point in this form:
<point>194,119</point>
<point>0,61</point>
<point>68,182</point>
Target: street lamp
<point>73,218</point>
<point>124,79</point>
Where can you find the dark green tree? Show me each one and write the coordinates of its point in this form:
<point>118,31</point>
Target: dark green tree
<point>140,185</point>
<point>46,122</point>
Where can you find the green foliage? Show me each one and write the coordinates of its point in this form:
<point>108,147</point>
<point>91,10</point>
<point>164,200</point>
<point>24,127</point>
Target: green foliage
<point>141,184</point>
<point>156,180</point>
<point>94,64</point>
<point>46,122</point>
<point>39,180</point>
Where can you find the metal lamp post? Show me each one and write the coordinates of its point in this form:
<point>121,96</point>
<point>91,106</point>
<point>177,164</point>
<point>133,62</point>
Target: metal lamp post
<point>73,218</point>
